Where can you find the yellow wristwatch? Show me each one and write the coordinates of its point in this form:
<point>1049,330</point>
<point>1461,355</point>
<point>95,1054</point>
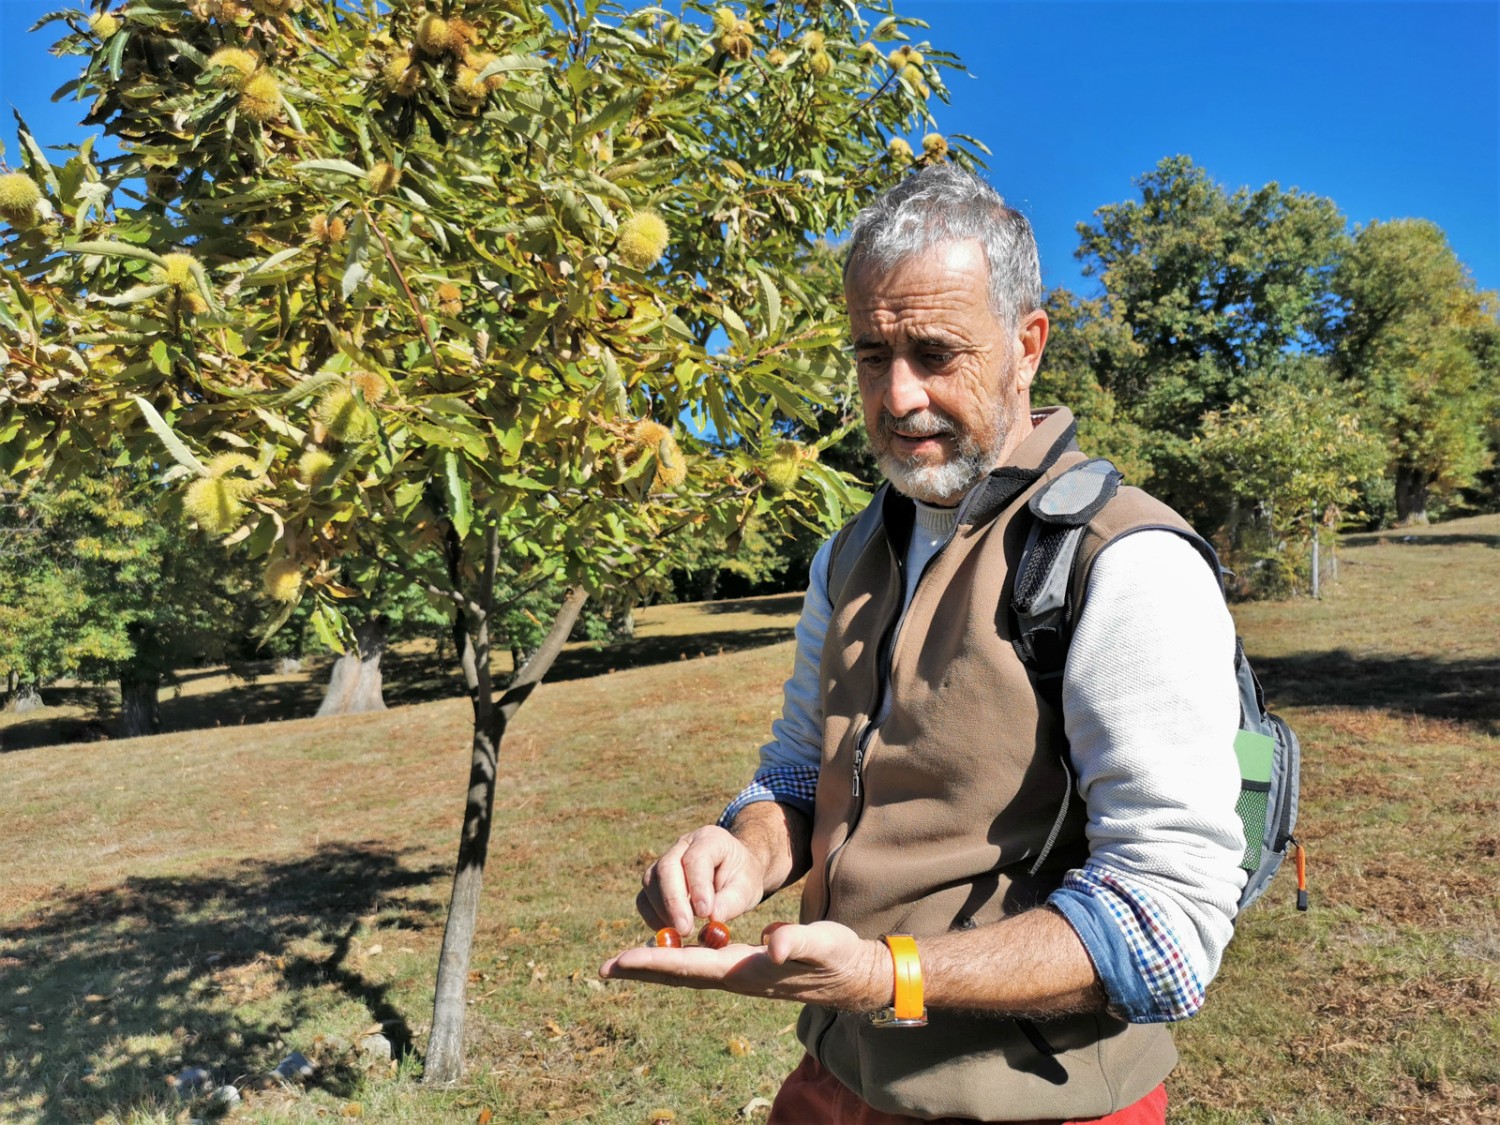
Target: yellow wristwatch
<point>907,1009</point>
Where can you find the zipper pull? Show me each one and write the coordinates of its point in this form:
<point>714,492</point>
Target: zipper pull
<point>1301,874</point>
<point>859,762</point>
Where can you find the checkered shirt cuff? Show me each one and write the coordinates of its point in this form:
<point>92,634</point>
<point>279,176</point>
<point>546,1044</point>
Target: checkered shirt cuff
<point>786,785</point>
<point>1129,938</point>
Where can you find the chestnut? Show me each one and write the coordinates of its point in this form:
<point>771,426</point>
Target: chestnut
<point>668,938</point>
<point>714,934</point>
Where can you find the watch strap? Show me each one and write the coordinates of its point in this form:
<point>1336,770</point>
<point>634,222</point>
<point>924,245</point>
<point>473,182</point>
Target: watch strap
<point>907,1008</point>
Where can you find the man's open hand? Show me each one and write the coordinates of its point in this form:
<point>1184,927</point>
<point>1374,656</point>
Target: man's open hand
<point>821,963</point>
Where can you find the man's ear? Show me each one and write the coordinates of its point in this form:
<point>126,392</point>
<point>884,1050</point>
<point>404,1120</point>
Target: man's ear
<point>1031,341</point>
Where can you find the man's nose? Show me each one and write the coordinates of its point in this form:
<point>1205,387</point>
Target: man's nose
<point>905,390</point>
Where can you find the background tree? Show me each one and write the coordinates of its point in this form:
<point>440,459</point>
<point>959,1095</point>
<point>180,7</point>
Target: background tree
<point>1292,454</point>
<point>1414,344</point>
<point>100,586</point>
<point>438,285</point>
<point>1214,288</point>
<point>1088,338</point>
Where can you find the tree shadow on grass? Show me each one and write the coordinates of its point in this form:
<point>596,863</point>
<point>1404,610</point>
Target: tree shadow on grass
<point>578,663</point>
<point>1463,691</point>
<point>777,605</point>
<point>1433,539</point>
<point>109,992</point>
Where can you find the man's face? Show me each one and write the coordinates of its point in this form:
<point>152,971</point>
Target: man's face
<point>938,373</point>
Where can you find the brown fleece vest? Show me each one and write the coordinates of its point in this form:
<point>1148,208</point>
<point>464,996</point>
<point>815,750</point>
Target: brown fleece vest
<point>958,790</point>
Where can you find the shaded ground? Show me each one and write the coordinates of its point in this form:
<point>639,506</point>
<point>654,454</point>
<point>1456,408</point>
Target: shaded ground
<point>1466,691</point>
<point>157,974</point>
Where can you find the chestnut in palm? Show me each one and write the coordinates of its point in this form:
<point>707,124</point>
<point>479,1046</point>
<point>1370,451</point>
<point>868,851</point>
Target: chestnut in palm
<point>714,934</point>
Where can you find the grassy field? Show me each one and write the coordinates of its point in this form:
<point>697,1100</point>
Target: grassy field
<point>220,897</point>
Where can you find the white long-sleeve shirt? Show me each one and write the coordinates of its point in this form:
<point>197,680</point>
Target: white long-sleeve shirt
<point>1150,708</point>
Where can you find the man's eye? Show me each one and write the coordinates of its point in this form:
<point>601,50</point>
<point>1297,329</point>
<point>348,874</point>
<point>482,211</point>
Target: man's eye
<point>938,359</point>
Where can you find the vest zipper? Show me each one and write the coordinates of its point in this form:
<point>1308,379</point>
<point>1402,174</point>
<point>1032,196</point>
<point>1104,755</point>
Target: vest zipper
<point>887,655</point>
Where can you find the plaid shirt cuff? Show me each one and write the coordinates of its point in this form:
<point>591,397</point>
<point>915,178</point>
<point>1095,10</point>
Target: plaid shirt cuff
<point>1140,960</point>
<point>786,785</point>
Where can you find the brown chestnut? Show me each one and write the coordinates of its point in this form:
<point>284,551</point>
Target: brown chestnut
<point>668,938</point>
<point>714,934</point>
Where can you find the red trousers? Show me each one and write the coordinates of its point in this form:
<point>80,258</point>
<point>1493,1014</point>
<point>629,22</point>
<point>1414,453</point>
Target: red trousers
<point>812,1096</point>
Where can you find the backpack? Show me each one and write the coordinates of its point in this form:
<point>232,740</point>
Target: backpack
<point>1269,753</point>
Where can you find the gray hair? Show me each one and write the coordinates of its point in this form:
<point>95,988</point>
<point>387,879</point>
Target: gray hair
<point>941,204</point>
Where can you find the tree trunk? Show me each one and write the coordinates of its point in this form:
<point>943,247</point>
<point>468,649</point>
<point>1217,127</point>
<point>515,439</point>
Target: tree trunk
<point>12,681</point>
<point>1411,496</point>
<point>140,713</point>
<point>445,1045</point>
<point>355,683</point>
<point>25,697</point>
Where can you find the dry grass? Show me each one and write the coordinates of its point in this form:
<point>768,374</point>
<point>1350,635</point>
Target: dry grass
<point>222,897</point>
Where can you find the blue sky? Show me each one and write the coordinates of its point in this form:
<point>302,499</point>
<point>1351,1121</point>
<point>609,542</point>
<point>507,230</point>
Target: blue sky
<point>1391,109</point>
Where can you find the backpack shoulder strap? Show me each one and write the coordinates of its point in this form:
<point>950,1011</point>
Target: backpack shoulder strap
<point>1040,601</point>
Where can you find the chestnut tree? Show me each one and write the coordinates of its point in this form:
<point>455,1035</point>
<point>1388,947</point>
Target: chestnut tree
<point>501,294</point>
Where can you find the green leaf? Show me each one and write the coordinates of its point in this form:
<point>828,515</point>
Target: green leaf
<point>773,306</point>
<point>180,452</point>
<point>326,622</point>
<point>113,250</point>
<point>507,63</point>
<point>459,504</point>
<point>342,167</point>
<point>355,274</point>
<point>160,357</point>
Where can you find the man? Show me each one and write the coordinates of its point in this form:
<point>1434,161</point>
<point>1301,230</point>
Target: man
<point>925,787</point>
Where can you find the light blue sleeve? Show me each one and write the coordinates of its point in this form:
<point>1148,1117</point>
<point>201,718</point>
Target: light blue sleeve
<point>789,763</point>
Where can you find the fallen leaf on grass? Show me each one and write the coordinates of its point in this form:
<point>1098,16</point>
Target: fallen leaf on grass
<point>739,1047</point>
<point>353,1109</point>
<point>754,1106</point>
<point>486,1115</point>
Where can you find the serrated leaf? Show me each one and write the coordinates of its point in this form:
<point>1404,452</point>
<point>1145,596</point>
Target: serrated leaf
<point>160,359</point>
<point>459,504</point>
<point>354,275</point>
<point>274,260</point>
<point>773,305</point>
<point>180,452</point>
<point>507,63</point>
<point>271,627</point>
<point>734,326</point>
<point>342,167</point>
<point>113,250</point>
<point>328,630</point>
<point>132,296</point>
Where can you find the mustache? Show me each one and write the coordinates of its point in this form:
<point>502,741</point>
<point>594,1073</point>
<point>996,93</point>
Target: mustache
<point>919,423</point>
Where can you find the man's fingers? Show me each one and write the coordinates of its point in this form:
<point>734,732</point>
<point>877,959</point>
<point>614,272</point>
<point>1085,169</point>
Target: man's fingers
<point>700,868</point>
<point>665,887</point>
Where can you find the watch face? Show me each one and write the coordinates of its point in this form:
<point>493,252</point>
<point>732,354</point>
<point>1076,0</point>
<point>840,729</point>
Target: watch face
<point>886,1017</point>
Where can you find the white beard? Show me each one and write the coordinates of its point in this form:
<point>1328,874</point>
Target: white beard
<point>941,483</point>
